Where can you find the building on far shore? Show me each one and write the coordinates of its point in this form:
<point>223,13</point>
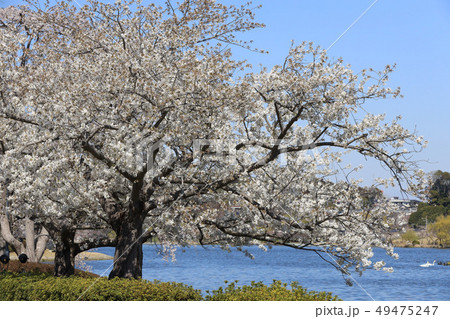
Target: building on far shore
<point>403,208</point>
<point>407,206</point>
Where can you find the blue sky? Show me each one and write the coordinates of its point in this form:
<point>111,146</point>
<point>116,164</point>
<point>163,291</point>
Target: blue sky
<point>411,33</point>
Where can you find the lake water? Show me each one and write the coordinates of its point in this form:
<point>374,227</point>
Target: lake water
<point>207,269</point>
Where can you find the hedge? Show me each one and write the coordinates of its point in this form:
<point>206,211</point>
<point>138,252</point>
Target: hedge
<point>277,291</point>
<point>44,287</point>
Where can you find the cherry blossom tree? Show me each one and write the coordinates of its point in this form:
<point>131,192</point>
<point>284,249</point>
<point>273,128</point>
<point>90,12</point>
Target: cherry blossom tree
<point>138,114</point>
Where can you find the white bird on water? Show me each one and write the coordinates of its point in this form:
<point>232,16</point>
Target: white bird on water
<point>428,264</point>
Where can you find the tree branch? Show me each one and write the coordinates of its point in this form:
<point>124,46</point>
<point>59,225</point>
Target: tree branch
<point>88,148</point>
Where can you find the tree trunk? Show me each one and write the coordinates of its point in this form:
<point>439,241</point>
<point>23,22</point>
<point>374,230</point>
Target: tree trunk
<point>41,243</point>
<point>30,235</point>
<point>65,252</point>
<point>17,245</point>
<point>3,245</point>
<point>128,254</point>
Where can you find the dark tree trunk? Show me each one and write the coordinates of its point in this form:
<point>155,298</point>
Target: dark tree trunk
<point>4,249</point>
<point>128,254</point>
<point>65,252</point>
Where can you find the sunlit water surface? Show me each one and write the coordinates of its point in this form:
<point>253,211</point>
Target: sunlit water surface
<point>207,269</point>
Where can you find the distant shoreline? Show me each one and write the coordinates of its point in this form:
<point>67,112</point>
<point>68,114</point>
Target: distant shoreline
<point>49,256</point>
<point>420,246</point>
<point>422,243</point>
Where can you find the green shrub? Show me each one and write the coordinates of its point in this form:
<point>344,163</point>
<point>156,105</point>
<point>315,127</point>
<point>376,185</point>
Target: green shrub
<point>411,236</point>
<point>277,291</point>
<point>42,287</point>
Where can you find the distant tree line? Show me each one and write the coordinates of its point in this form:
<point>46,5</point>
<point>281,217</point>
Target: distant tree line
<point>438,203</point>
